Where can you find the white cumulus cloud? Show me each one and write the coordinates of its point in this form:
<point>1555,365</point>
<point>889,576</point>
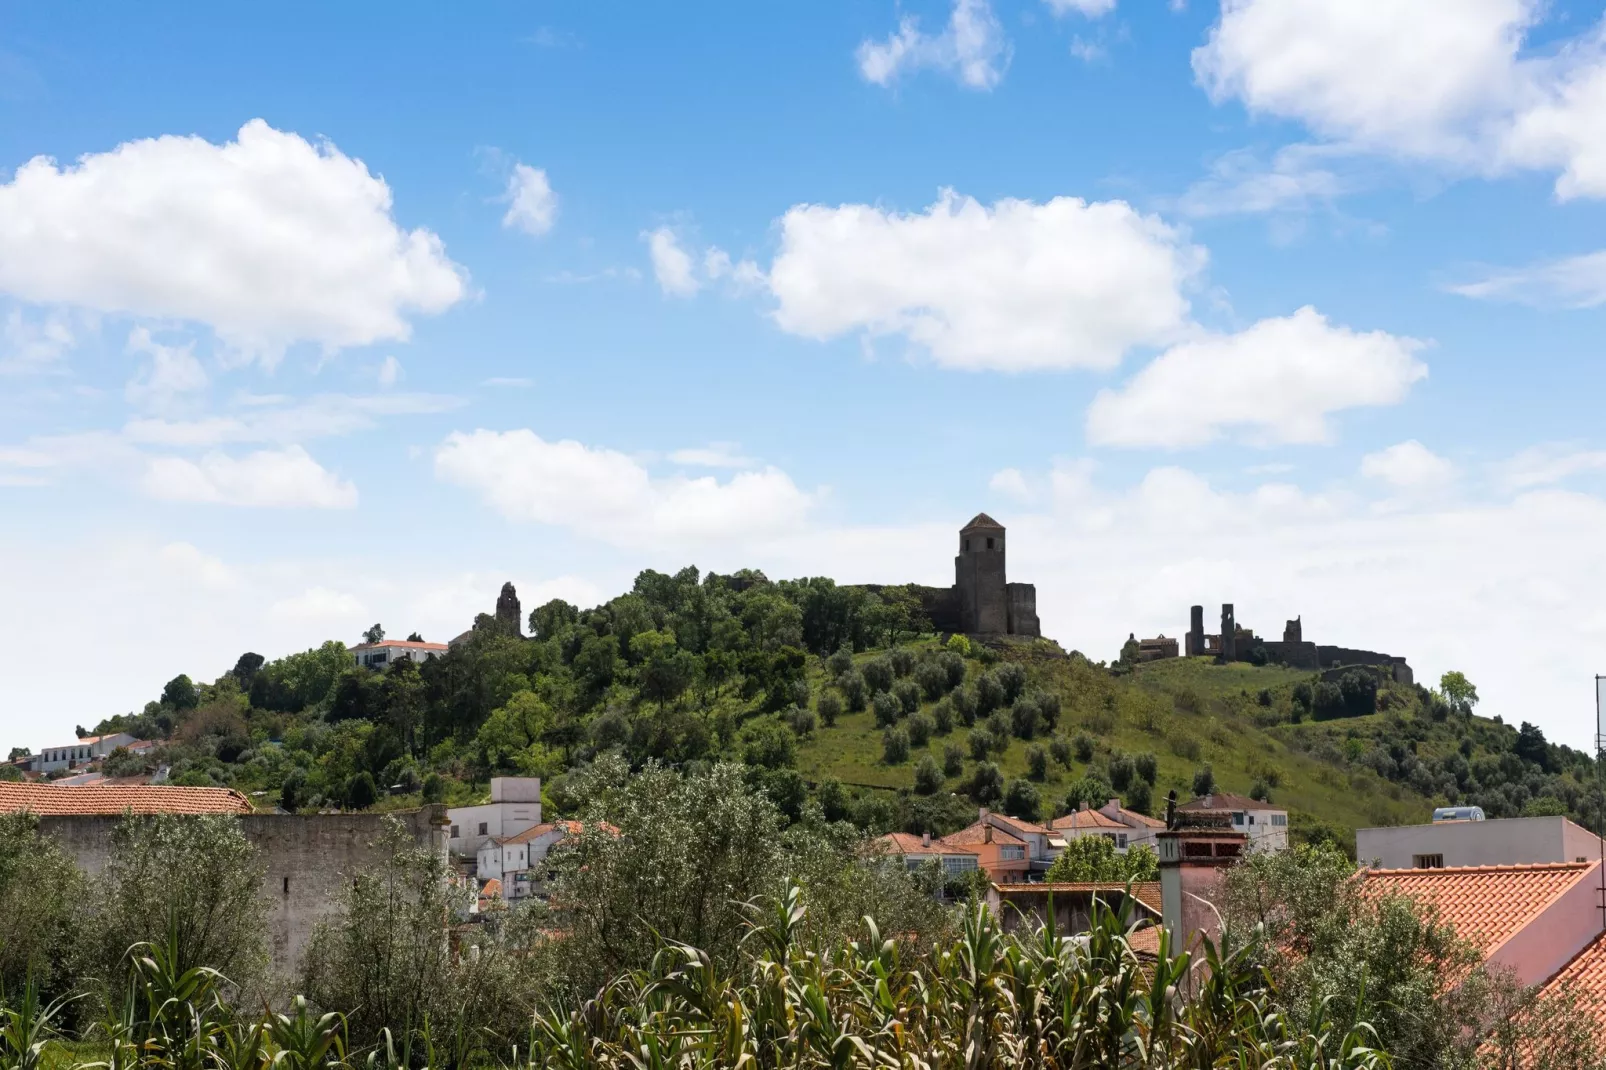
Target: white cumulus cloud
<point>172,372</point>
<point>275,479</point>
<point>1091,8</point>
<point>1408,466</point>
<point>268,239</point>
<point>532,205</point>
<point>972,48</point>
<point>1570,282</point>
<point>1016,286</point>
<point>1276,382</point>
<point>1544,465</point>
<point>671,263</point>
<point>609,495</point>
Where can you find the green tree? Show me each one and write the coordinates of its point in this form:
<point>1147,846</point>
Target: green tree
<point>895,746</point>
<point>180,693</point>
<point>42,897</point>
<point>375,634</point>
<point>361,791</point>
<point>1022,800</point>
<point>510,740</point>
<point>986,784</point>
<point>1459,692</point>
<point>1204,780</point>
<point>548,621</point>
<point>664,671</point>
<point>928,777</point>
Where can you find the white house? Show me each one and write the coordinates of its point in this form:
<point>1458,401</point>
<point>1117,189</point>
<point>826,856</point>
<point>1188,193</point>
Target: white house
<point>519,861</point>
<point>1086,822</point>
<point>1140,827</point>
<point>1265,825</point>
<point>1526,841</point>
<point>380,654</point>
<point>86,750</point>
<point>514,807</point>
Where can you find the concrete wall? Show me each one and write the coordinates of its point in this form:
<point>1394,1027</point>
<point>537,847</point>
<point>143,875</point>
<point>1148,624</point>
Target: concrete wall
<point>501,820</point>
<point>308,859</point>
<point>1501,842</point>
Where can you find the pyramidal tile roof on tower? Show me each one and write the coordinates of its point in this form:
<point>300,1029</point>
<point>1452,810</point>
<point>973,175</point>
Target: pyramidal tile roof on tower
<point>982,520</point>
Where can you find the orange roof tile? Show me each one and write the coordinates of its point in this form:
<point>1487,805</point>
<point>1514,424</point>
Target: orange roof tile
<point>1485,904</point>
<point>1585,977</point>
<point>1226,800</point>
<point>1018,825</point>
<point>905,844</point>
<point>1087,819</point>
<point>1145,892</point>
<point>1142,820</point>
<point>977,833</point>
<point>1145,941</point>
<point>53,799</point>
<point>569,828</point>
<point>402,643</point>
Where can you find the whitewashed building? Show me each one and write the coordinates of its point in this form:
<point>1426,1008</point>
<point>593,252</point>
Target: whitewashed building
<point>519,861</point>
<point>383,653</point>
<point>514,807</point>
<point>86,750</point>
<point>1265,825</point>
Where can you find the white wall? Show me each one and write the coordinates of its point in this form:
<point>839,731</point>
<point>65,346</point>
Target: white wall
<point>1500,842</point>
<point>501,820</point>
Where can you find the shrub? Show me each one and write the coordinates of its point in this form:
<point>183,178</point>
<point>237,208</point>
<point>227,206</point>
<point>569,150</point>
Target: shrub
<point>953,665</point>
<point>981,744</point>
<point>1184,746</point>
<point>1264,698</point>
<point>361,791</point>
<point>802,720</point>
<point>877,674</point>
<point>1328,702</point>
<point>919,727</point>
<point>1012,678</point>
<point>1059,748</point>
<point>1092,790</point>
<point>1147,766</point>
<point>986,784</point>
<point>903,661</point>
<point>907,692</point>
<point>964,701</point>
<point>1262,791</point>
<point>1000,726</point>
<point>1048,704</point>
<point>1303,697</point>
<point>1122,771</point>
<point>434,788</point>
<point>1139,796</point>
<point>841,659</point>
<point>1024,718</point>
<point>958,644</point>
<point>953,759</point>
<point>1036,762</point>
<point>942,716</point>
<point>833,799</point>
<point>928,778</point>
<point>887,709</point>
<point>1082,747</point>
<point>895,746</point>
<point>932,680</point>
<point>1022,800</point>
<point>1189,700</point>
<point>854,690</point>
<point>829,707</point>
<point>1204,780</point>
<point>989,694</point>
<point>768,745</point>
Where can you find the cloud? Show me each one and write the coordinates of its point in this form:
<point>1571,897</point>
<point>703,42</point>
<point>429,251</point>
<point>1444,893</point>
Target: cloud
<point>390,371</point>
<point>269,240</point>
<point>32,344</point>
<point>1408,466</point>
<point>713,455</point>
<point>532,206</point>
<point>274,479</point>
<point>172,372</point>
<point>1010,483</point>
<point>282,420</point>
<point>972,49</point>
<point>1571,282</point>
<point>1296,179</point>
<point>320,604</point>
<point>671,264</point>
<point>605,494</point>
<point>1445,83</point>
<point>1545,465</point>
<point>1276,382</point>
<point>1017,286</point>
<point>1091,8</point>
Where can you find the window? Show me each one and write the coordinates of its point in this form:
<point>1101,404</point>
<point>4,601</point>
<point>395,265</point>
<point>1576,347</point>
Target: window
<point>989,542</point>
<point>966,545</point>
<point>1427,861</point>
<point>952,864</point>
<point>1120,841</point>
<point>483,828</point>
<point>1279,820</point>
<point>1251,819</point>
<point>287,886</point>
<point>455,833</point>
<point>1011,854</point>
<point>1237,818</point>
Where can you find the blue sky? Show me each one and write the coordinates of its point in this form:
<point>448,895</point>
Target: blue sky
<point>330,316</point>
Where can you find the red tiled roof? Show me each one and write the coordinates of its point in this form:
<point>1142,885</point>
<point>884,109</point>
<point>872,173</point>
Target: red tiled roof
<point>1019,826</point>
<point>535,832</point>
<point>905,844</point>
<point>53,799</point>
<point>1145,892</point>
<point>1585,977</point>
<point>403,643</point>
<point>1485,904</point>
<point>1226,800</point>
<point>977,833</point>
<point>1087,819</point>
<point>1142,820</point>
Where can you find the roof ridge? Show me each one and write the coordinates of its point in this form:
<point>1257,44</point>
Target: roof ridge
<point>1503,867</point>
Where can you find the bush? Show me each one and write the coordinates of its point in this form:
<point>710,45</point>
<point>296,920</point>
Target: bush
<point>829,707</point>
<point>928,778</point>
<point>1204,780</point>
<point>903,661</point>
<point>1036,762</point>
<point>1022,800</point>
<point>932,680</point>
<point>1264,697</point>
<point>986,784</point>
<point>953,759</point>
<point>877,674</point>
<point>833,799</point>
<point>1048,704</point>
<point>981,744</point>
<point>841,659</point>
<point>1184,746</point>
<point>802,720</point>
<point>1082,747</point>
<point>1059,748</point>
<point>964,706</point>
<point>895,746</point>
<point>1262,792</point>
<point>989,694</point>
<point>919,727</point>
<point>434,788</point>
<point>767,744</point>
<point>1012,678</point>
<point>1122,771</point>
<point>1147,766</point>
<point>42,897</point>
<point>854,690</point>
<point>1328,702</point>
<point>942,715</point>
<point>1303,697</point>
<point>887,709</point>
<point>1139,796</point>
<point>1092,790</point>
<point>1000,726</point>
<point>953,665</point>
<point>361,791</point>
<point>1024,718</point>
<point>907,692</point>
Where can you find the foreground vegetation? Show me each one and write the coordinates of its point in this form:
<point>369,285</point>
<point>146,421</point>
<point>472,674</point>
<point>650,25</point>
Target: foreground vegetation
<point>841,696</point>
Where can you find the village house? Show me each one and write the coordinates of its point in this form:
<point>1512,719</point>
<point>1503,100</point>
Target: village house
<point>87,749</point>
<point>1265,825</point>
<point>515,806</point>
<point>916,851</point>
<point>1088,822</point>
<point>517,863</point>
<point>387,651</point>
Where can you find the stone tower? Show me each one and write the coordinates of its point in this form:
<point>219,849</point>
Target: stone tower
<point>1229,633</point>
<point>507,611</point>
<point>1195,643</point>
<point>979,574</point>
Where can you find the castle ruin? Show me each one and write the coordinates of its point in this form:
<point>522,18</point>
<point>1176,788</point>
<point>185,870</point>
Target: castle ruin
<point>1237,643</point>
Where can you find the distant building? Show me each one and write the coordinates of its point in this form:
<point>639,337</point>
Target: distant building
<point>1156,649</point>
<point>1265,825</point>
<point>113,800</point>
<point>1236,643</point>
<point>518,862</point>
<point>1122,827</point>
<point>1501,841</point>
<point>380,654</point>
<point>514,807</point>
<point>988,603</point>
<point>1193,857</point>
<point>1025,907</point>
<point>916,851</point>
<point>1142,827</point>
<point>84,751</point>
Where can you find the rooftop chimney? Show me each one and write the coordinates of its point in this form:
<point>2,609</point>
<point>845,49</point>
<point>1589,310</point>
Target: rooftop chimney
<point>925,839</point>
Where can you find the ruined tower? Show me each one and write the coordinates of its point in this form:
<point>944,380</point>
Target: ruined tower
<point>508,617</point>
<point>1293,631</point>
<point>1229,633</point>
<point>979,575</point>
<point>1195,643</point>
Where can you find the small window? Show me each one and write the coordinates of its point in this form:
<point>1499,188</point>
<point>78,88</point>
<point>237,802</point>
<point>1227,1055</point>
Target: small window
<point>1427,861</point>
<point>1237,818</point>
<point>483,827</point>
<point>1251,819</point>
<point>287,886</point>
<point>455,833</point>
<point>966,545</point>
<point>1120,840</point>
<point>1279,820</point>
<point>989,542</point>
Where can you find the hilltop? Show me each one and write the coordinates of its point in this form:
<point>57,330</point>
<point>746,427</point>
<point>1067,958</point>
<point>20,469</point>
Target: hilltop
<point>843,696</point>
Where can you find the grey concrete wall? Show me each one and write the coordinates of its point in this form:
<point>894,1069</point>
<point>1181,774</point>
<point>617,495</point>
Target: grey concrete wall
<point>1501,842</point>
<point>308,859</point>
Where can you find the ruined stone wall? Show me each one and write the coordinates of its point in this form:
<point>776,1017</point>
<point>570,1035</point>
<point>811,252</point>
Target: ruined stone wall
<point>983,600</point>
<point>1022,610</point>
<point>308,859</point>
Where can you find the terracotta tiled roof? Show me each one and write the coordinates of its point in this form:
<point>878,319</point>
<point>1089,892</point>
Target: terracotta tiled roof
<point>982,520</point>
<point>1087,819</point>
<point>1145,892</point>
<point>1226,801</point>
<point>1133,818</point>
<point>1146,941</point>
<point>568,828</point>
<point>492,889</point>
<point>402,643</point>
<point>977,833</point>
<point>1485,904</point>
<point>1585,976</point>
<point>904,844</point>
<point>1018,826</point>
<point>52,799</point>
